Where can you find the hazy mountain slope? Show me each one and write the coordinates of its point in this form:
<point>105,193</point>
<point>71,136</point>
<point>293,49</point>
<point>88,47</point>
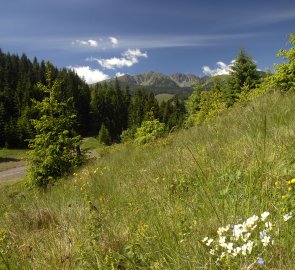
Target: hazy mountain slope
<point>178,83</point>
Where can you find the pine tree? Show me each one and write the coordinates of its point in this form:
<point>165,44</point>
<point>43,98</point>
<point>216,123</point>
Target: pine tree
<point>104,135</point>
<point>55,149</point>
<point>244,72</point>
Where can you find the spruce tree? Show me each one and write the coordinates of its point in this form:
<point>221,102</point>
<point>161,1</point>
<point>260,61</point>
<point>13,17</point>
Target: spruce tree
<point>244,72</point>
<point>55,149</point>
<point>104,135</point>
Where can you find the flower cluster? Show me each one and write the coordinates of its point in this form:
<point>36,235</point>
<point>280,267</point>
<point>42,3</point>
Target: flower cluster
<point>247,239</point>
<point>286,195</point>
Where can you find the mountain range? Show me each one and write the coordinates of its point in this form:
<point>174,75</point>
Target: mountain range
<point>158,83</point>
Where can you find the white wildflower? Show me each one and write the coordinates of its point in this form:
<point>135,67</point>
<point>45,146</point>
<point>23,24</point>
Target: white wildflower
<point>230,247</point>
<point>238,231</point>
<point>265,240</point>
<point>286,217</point>
<point>236,251</point>
<point>205,239</point>
<point>251,221</point>
<point>244,249</point>
<point>246,236</point>
<point>250,246</point>
<point>221,230</point>
<point>222,255</point>
<point>222,242</point>
<point>209,242</point>
<point>212,251</point>
<point>262,234</point>
<point>264,215</point>
<point>268,226</point>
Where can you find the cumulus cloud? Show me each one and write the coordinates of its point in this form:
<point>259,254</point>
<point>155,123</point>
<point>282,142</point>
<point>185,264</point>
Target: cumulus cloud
<point>222,69</point>
<point>114,41</point>
<point>89,42</point>
<point>128,59</point>
<point>90,75</point>
<point>134,54</point>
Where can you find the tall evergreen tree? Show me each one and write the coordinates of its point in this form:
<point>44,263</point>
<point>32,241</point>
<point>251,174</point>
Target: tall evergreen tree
<point>244,72</point>
<point>18,79</point>
<point>55,149</point>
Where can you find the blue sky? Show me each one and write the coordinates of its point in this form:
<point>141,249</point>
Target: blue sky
<point>102,38</point>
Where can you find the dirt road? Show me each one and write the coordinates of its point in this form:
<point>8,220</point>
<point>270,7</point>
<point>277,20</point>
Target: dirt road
<point>13,173</point>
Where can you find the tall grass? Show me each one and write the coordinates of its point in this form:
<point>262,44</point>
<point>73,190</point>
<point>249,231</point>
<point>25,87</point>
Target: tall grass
<point>150,207</point>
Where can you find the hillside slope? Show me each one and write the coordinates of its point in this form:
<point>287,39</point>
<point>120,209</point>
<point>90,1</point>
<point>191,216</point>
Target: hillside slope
<point>150,207</point>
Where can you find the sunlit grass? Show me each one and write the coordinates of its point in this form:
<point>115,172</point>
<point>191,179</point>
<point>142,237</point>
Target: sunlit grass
<point>149,207</point>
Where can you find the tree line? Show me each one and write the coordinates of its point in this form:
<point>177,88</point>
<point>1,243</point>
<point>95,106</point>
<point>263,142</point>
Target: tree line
<point>19,77</point>
<point>101,105</point>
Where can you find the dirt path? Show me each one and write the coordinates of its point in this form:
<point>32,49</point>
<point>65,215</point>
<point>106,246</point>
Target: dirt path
<point>13,173</point>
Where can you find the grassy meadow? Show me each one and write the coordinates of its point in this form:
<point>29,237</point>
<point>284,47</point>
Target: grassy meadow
<point>164,97</point>
<point>149,207</point>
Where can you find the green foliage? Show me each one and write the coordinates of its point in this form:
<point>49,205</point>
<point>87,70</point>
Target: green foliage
<point>173,113</point>
<point>284,76</point>
<point>194,99</point>
<point>109,106</point>
<point>18,86</point>
<point>193,105</point>
<point>104,135</point>
<point>142,103</point>
<point>244,72</point>
<point>149,131</point>
<point>150,207</point>
<point>128,135</point>
<point>55,149</point>
<point>205,105</point>
<point>211,104</point>
<point>246,95</point>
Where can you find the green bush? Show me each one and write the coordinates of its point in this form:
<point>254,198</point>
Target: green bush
<point>149,131</point>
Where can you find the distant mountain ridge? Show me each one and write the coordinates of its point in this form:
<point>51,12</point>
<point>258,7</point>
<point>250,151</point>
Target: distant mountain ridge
<point>177,83</point>
<point>160,80</point>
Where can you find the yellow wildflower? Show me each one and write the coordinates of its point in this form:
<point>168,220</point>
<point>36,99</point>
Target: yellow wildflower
<point>289,188</point>
<point>276,183</point>
<point>284,197</point>
<point>293,181</point>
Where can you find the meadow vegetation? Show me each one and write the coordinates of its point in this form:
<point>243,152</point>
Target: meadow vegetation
<point>150,207</point>
<point>217,195</point>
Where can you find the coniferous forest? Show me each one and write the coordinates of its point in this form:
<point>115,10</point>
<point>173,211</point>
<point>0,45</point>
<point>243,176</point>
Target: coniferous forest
<point>100,104</point>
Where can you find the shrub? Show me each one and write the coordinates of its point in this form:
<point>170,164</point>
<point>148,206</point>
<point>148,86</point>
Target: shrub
<point>149,131</point>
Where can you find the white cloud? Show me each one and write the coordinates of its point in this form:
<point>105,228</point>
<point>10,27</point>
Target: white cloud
<point>90,75</point>
<point>134,54</point>
<point>119,74</point>
<point>114,41</point>
<point>89,42</point>
<point>222,69</point>
<point>113,63</point>
<point>130,57</point>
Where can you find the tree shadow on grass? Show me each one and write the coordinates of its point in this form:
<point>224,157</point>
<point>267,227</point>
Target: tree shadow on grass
<point>8,159</point>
